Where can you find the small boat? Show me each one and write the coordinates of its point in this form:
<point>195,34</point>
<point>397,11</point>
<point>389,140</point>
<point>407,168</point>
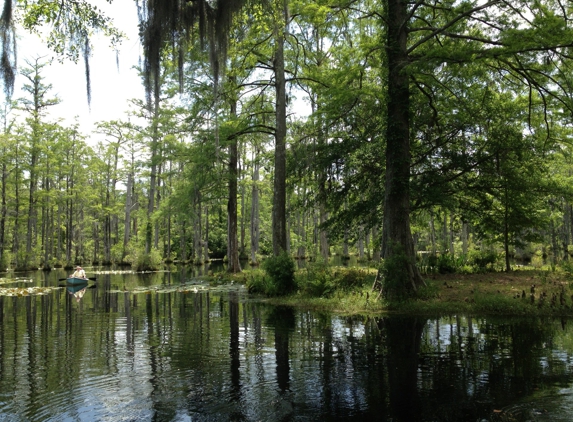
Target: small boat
<point>76,280</point>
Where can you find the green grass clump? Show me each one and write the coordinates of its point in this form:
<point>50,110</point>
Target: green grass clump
<point>277,277</point>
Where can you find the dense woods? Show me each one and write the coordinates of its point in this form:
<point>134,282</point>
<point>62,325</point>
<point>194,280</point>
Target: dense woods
<point>420,133</point>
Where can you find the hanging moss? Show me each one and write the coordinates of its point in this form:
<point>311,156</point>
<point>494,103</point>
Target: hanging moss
<point>172,23</point>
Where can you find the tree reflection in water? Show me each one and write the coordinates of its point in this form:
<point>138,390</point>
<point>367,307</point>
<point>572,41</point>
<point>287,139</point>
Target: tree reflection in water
<point>221,356</point>
<point>403,339</point>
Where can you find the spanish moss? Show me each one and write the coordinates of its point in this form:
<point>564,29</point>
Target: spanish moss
<point>86,53</point>
<point>171,23</point>
<point>8,58</point>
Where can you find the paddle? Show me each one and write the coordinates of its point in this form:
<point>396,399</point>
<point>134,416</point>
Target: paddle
<point>88,278</point>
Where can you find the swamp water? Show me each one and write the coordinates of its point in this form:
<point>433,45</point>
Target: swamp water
<point>159,347</point>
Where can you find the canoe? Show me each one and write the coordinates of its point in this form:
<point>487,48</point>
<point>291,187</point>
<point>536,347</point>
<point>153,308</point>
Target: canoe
<point>76,280</point>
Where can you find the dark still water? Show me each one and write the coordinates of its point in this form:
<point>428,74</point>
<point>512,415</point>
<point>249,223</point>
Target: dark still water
<point>158,347</point>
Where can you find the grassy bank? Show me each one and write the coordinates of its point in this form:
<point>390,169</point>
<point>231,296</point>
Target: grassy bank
<point>522,292</point>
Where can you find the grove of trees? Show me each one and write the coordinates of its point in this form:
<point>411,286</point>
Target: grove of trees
<point>429,128</point>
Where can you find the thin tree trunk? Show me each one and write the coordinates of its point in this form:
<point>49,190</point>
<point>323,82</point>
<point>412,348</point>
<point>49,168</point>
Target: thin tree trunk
<point>322,234</point>
<point>452,250</point>
<point>3,209</point>
<point>197,241</point>
<point>31,233</point>
<point>156,228</point>
<point>506,233</point>
<point>242,246</point>
<point>234,265</point>
<point>70,211</point>
<point>445,234</point>
<point>206,241</point>
<point>127,220</point>
<point>153,171</point>
<point>566,232</point>
<point>183,243</point>
<point>376,246</point>
<point>361,243</point>
<point>433,233</point>
<point>255,212</point>
<point>465,236</point>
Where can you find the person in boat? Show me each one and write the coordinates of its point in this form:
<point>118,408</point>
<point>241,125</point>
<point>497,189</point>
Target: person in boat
<point>79,273</point>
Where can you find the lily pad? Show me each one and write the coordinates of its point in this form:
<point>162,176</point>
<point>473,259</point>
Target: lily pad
<point>26,291</point>
<point>14,280</point>
<point>186,289</point>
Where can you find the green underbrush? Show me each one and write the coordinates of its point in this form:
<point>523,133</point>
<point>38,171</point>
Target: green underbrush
<point>535,292</point>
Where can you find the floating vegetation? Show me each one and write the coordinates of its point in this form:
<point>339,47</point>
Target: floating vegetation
<point>26,291</point>
<point>127,272</point>
<point>114,272</point>
<point>15,280</point>
<point>189,288</point>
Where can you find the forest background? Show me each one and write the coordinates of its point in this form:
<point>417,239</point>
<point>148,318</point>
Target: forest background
<point>439,134</point>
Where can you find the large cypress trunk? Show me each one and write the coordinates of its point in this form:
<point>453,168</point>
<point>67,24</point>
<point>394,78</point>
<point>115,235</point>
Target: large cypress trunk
<point>279,194</point>
<point>402,275</point>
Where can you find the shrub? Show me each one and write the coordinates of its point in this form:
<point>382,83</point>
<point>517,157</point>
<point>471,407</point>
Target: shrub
<point>281,271</point>
<point>567,268</point>
<point>446,264</point>
<point>349,279</point>
<point>483,260</point>
<point>4,262</point>
<point>427,292</point>
<point>537,260</point>
<point>258,283</point>
<point>317,280</point>
<point>144,262</point>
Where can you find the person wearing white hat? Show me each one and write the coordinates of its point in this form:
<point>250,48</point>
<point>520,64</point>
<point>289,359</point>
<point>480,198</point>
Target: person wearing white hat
<point>79,273</point>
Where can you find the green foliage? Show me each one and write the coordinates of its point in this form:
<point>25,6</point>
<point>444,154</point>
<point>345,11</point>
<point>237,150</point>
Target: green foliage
<point>500,304</point>
<point>347,279</point>
<point>142,261</point>
<point>446,264</point>
<point>427,292</point>
<point>483,260</point>
<point>566,268</point>
<point>4,262</point>
<point>316,280</point>
<point>258,283</point>
<point>281,270</point>
<point>117,252</point>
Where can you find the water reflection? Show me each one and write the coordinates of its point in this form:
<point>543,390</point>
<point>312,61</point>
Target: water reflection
<point>77,290</point>
<point>121,355</point>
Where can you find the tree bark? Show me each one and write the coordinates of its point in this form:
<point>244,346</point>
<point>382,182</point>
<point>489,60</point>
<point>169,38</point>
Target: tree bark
<point>397,242</point>
<point>206,242</point>
<point>127,220</point>
<point>234,266</point>
<point>255,211</point>
<point>3,208</point>
<point>153,171</point>
<point>279,194</point>
<point>197,241</point>
<point>465,238</point>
